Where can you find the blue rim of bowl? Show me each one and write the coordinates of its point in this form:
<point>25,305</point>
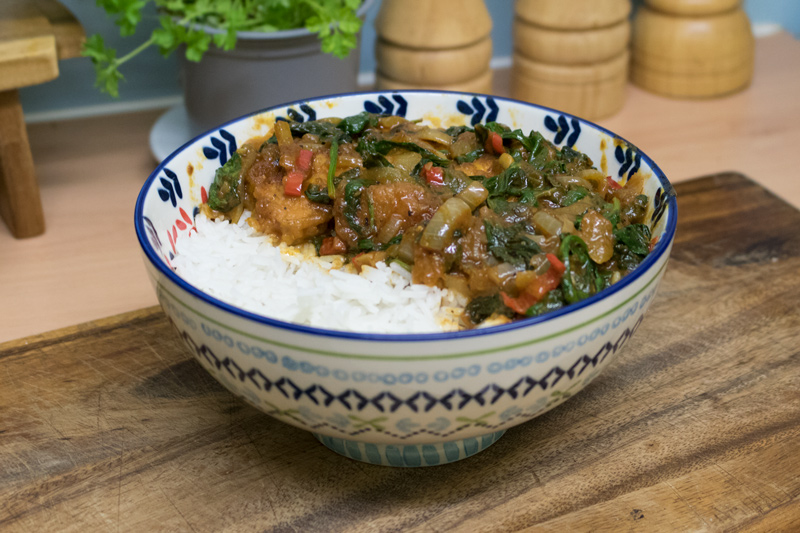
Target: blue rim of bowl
<point>644,266</point>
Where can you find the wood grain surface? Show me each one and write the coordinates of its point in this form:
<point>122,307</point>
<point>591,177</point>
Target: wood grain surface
<point>110,426</point>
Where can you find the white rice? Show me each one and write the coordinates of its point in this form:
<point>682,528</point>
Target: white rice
<point>235,264</point>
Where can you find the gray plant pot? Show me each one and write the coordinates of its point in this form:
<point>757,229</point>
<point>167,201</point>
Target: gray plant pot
<point>264,69</point>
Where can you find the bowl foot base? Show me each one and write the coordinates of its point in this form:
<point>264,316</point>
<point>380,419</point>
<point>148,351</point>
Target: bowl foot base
<point>410,455</point>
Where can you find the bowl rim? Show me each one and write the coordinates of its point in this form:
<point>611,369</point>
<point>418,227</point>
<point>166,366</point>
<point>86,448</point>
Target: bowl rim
<point>660,249</point>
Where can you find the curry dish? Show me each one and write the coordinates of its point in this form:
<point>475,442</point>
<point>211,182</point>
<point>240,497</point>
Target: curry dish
<point>507,219</point>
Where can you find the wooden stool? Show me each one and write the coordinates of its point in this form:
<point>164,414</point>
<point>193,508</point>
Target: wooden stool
<point>434,44</point>
<point>34,35</point>
<point>692,48</point>
<point>572,56</point>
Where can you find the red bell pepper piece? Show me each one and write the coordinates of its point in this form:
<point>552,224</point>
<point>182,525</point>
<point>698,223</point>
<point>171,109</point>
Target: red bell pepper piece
<point>304,159</point>
<point>494,143</point>
<point>537,289</point>
<point>293,186</point>
<point>332,245</point>
<point>433,174</point>
<point>497,143</point>
<point>556,263</point>
<point>294,180</point>
<point>613,184</point>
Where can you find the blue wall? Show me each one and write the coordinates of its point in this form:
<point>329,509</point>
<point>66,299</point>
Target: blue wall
<point>152,81</point>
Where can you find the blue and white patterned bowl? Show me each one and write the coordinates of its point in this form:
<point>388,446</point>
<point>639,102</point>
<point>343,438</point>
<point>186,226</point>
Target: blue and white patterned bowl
<point>401,400</point>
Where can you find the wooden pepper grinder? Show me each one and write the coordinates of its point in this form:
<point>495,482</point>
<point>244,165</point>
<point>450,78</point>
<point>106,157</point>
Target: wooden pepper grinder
<point>434,44</point>
<point>572,56</point>
<point>692,48</point>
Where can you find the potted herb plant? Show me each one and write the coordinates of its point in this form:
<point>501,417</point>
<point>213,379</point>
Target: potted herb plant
<point>238,56</point>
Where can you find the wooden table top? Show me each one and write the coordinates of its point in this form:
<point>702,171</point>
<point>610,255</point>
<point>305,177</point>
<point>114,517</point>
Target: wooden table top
<point>111,425</point>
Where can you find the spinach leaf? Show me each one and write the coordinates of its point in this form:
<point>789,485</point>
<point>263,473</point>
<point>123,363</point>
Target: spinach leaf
<point>341,133</point>
<point>510,244</point>
<point>581,278</point>
<point>456,180</point>
<point>611,211</point>
<point>529,197</point>
<point>368,245</point>
<point>355,124</point>
<point>625,258</point>
<point>513,181</point>
<point>555,166</point>
<point>223,195</point>
<point>352,202</point>
<point>334,159</point>
<point>316,240</point>
<point>370,150</point>
<point>323,129</point>
<point>635,210</point>
<point>455,131</point>
<point>553,300</point>
<point>373,150</point>
<point>538,150</point>
<point>482,307</point>
<point>636,237</point>
<point>507,133</point>
<point>535,143</point>
<point>570,155</point>
<point>573,196</point>
<point>482,133</point>
<point>469,157</point>
<point>318,195</point>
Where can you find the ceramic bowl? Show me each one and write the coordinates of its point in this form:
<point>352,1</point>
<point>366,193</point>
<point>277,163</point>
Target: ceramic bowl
<point>401,400</point>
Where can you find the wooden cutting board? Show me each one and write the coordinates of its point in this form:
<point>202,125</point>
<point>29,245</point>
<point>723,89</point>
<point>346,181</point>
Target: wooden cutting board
<point>696,426</point>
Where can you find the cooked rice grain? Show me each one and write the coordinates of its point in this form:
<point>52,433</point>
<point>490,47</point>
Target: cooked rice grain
<point>235,264</point>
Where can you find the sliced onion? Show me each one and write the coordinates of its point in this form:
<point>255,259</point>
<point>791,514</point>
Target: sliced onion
<point>578,208</point>
<point>466,142</point>
<point>390,121</point>
<point>504,275</point>
<point>390,229</point>
<point>404,136</point>
<point>570,182</point>
<point>540,264</point>
<point>458,284</point>
<point>547,224</point>
<point>283,133</point>
<point>635,183</point>
<point>387,174</point>
<point>404,159</point>
<point>597,233</point>
<point>593,175</point>
<point>434,135</point>
<point>405,250</point>
<point>474,195</point>
<point>451,215</point>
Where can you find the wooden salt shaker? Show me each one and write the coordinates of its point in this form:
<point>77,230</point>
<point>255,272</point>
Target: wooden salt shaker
<point>572,56</point>
<point>439,44</point>
<point>692,48</point>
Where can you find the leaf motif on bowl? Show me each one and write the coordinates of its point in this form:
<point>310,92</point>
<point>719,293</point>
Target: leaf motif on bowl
<point>221,149</point>
<point>385,106</point>
<point>562,129</point>
<point>476,109</point>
